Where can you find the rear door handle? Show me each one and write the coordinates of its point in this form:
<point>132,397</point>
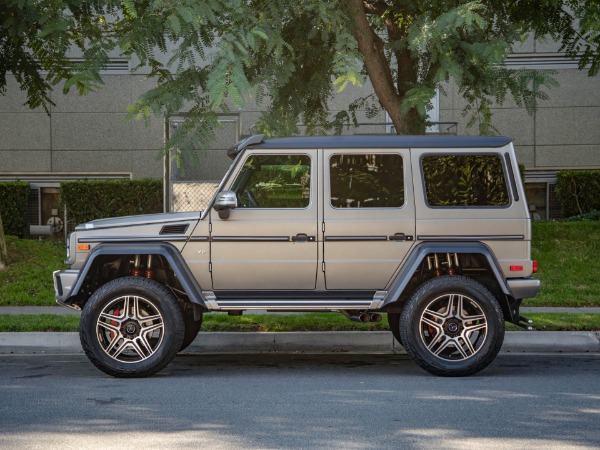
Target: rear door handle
<point>401,237</point>
<point>303,237</point>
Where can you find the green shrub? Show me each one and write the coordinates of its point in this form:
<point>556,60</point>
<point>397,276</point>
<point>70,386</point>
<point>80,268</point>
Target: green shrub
<point>13,201</point>
<point>97,199</point>
<point>578,192</point>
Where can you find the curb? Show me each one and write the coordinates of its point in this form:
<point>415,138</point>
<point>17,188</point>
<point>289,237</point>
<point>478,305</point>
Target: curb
<point>308,342</point>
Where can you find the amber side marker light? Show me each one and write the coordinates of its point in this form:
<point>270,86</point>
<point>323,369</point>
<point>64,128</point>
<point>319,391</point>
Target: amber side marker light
<point>83,247</point>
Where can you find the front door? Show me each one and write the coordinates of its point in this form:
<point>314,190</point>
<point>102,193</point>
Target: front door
<point>270,240</point>
<point>369,216</point>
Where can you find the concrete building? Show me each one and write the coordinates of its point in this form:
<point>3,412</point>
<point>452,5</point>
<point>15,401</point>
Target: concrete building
<point>90,137</point>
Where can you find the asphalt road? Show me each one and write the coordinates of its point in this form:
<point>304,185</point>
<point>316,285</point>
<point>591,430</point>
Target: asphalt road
<point>275,401</point>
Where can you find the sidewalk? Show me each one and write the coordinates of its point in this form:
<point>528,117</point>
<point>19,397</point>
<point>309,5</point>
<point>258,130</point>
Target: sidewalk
<point>305,342</point>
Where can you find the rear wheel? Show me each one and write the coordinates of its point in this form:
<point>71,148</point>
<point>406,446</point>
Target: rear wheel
<point>131,327</point>
<point>452,326</point>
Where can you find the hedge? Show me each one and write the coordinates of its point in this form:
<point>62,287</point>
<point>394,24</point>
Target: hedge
<point>97,199</point>
<point>578,192</point>
<point>13,201</point>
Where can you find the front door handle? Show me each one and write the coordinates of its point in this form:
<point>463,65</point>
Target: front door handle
<point>401,237</point>
<point>303,237</point>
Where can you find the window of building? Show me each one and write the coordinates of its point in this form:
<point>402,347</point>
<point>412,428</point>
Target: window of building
<point>367,181</point>
<point>464,181</point>
<point>274,181</point>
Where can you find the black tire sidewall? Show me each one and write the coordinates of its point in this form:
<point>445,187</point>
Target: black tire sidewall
<point>161,298</point>
<point>192,327</point>
<point>410,325</point>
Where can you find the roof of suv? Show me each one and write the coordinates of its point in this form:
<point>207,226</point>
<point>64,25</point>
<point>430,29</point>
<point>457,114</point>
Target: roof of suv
<point>371,141</point>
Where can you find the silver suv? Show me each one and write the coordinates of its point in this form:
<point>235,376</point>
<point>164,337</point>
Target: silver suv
<point>433,231</point>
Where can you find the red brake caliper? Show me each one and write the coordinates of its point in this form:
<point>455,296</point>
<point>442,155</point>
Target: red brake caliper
<point>114,323</point>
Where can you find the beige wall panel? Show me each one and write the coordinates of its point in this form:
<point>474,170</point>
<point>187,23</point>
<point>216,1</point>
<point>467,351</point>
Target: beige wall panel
<point>146,163</point>
<point>25,161</point>
<point>24,131</point>
<point>13,101</point>
<point>576,89</point>
<point>146,137</point>
<point>91,131</point>
<point>114,96</point>
<point>92,161</point>
<point>568,156</point>
<point>526,155</point>
<point>568,126</point>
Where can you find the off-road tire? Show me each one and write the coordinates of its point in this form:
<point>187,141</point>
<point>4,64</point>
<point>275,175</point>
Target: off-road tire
<point>394,324</point>
<point>152,310</point>
<point>427,328</point>
<point>192,327</point>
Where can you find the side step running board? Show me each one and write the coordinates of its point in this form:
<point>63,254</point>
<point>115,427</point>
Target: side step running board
<point>235,304</point>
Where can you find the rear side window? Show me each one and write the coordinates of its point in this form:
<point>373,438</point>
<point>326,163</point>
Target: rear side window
<point>366,180</point>
<point>464,181</point>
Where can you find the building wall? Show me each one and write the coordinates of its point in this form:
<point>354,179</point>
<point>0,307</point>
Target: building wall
<point>91,137</point>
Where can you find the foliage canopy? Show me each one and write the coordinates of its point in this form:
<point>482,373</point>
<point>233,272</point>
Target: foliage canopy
<point>291,57</point>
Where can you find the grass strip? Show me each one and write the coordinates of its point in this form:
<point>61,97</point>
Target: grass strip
<point>292,322</point>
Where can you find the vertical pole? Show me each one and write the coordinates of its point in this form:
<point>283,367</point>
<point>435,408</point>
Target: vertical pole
<point>166,170</point>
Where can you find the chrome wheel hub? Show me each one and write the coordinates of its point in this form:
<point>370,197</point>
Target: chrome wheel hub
<point>453,327</point>
<point>130,329</point>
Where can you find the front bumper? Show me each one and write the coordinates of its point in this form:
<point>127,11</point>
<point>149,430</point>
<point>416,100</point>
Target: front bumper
<point>63,284</point>
<point>524,287</point>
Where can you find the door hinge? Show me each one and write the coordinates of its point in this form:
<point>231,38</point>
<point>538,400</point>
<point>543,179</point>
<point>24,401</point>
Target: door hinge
<point>210,267</point>
<point>323,227</point>
<point>210,227</point>
<point>323,267</point>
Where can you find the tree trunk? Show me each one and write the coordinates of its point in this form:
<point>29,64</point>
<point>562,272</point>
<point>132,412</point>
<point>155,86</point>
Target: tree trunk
<point>3,251</point>
<point>378,67</point>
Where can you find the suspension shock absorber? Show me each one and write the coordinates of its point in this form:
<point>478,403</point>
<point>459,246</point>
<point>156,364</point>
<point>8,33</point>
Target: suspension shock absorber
<point>433,264</point>
<point>149,272</point>
<point>136,270</point>
<point>451,270</point>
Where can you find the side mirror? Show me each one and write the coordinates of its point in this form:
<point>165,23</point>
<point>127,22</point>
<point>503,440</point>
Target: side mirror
<point>224,203</point>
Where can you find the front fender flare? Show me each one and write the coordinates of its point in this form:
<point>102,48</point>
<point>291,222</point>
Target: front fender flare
<point>168,251</point>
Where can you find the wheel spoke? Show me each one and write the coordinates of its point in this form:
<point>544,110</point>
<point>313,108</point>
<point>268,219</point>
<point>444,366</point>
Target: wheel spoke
<point>438,338</point>
<point>110,327</point>
<point>430,322</point>
<point>140,341</point>
<point>144,350</point>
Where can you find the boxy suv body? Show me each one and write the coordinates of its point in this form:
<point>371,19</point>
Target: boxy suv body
<point>434,231</point>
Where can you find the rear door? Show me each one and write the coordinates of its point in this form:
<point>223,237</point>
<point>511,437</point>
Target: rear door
<point>368,216</point>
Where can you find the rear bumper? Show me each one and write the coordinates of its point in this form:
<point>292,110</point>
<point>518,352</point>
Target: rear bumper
<point>63,284</point>
<point>524,287</point>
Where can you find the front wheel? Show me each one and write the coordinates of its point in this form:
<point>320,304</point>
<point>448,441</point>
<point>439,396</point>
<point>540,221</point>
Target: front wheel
<point>452,326</point>
<point>131,327</point>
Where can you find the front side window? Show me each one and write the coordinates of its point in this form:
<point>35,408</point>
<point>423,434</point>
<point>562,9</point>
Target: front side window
<point>274,181</point>
<point>366,180</point>
<point>464,180</point>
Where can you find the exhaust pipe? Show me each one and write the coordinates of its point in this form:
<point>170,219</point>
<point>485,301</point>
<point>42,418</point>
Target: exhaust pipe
<point>362,317</point>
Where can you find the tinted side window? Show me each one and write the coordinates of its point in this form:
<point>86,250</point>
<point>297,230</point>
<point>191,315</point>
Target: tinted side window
<point>464,180</point>
<point>274,181</point>
<point>367,181</point>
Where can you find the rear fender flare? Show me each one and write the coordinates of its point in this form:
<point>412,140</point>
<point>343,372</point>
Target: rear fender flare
<point>399,282</point>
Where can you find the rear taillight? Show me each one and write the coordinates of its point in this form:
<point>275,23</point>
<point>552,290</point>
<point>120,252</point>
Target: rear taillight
<point>535,267</point>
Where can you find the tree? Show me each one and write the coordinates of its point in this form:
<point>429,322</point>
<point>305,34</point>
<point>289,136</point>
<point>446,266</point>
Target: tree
<point>213,55</point>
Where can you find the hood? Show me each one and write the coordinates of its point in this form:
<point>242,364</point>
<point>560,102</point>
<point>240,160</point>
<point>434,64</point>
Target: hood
<point>147,219</point>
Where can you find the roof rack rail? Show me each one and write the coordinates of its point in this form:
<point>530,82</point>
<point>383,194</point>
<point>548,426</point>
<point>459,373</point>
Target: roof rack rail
<point>251,140</point>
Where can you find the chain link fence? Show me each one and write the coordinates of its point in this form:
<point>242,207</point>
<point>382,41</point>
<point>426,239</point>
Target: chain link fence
<point>192,196</point>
